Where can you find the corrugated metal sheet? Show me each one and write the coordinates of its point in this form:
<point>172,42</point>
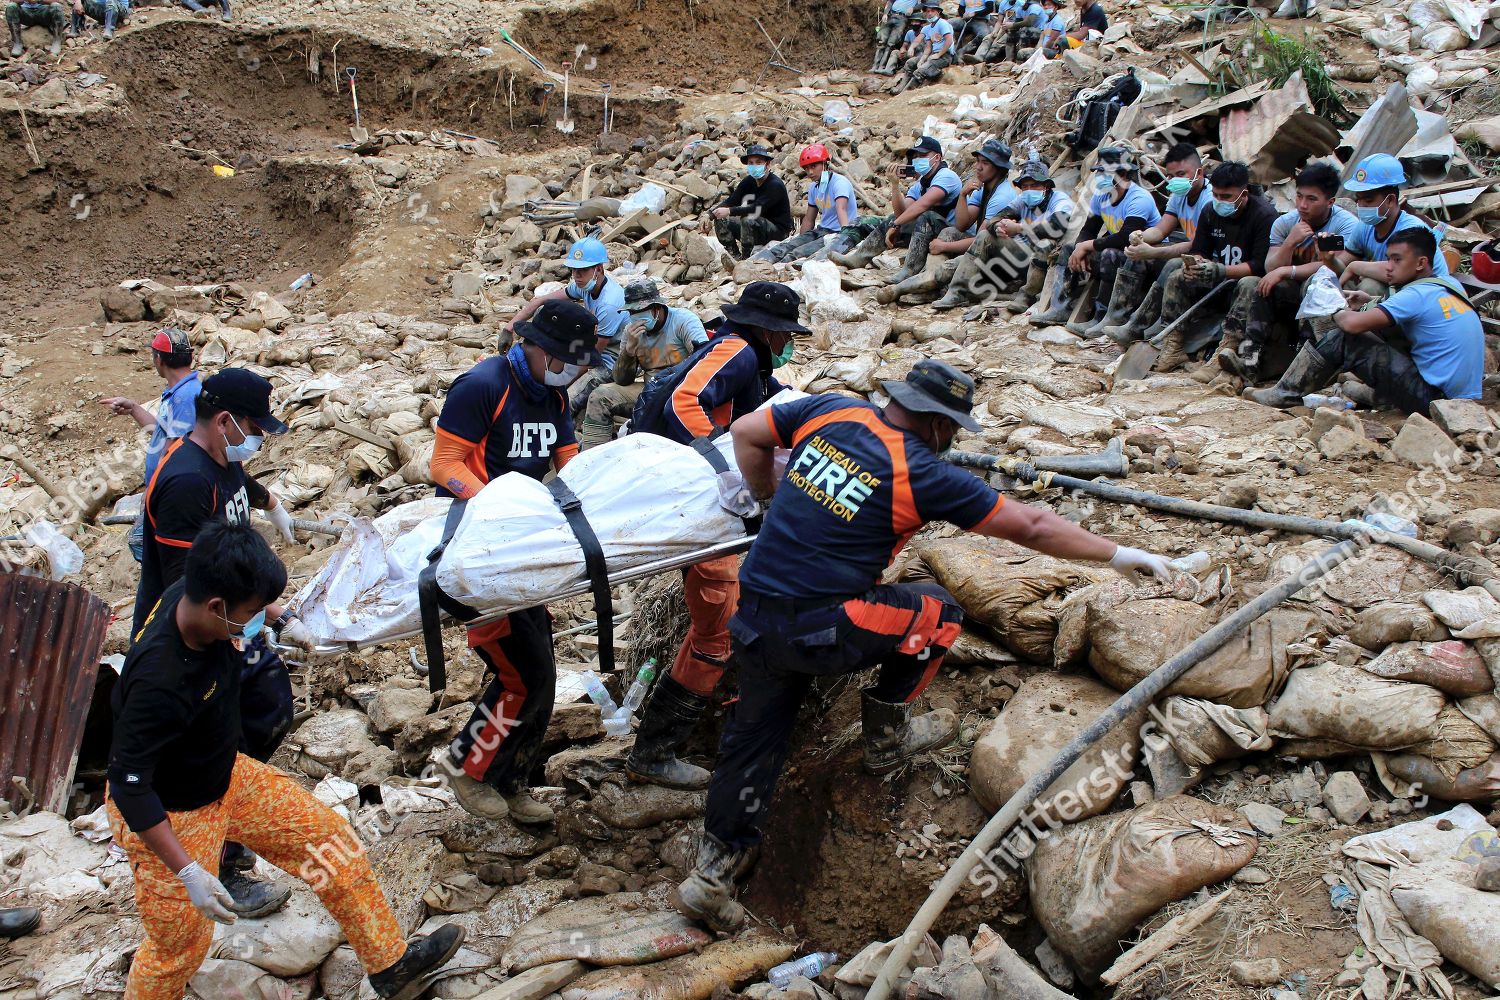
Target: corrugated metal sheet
<point>1277,134</point>
<point>51,635</point>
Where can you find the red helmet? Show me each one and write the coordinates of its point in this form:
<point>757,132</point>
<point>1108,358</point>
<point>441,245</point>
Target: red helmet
<point>816,153</point>
<point>1485,263</point>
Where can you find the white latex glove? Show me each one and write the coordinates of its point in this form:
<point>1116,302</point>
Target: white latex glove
<point>282,519</point>
<point>208,894</point>
<point>1135,563</point>
<point>735,497</point>
<point>296,633</point>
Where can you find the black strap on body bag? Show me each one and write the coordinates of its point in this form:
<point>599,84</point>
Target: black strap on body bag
<point>594,565</point>
<point>705,447</point>
<point>431,599</point>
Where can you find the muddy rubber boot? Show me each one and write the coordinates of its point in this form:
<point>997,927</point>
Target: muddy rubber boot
<point>1308,372</point>
<point>59,29</point>
<point>593,433</point>
<point>1060,311</point>
<point>253,898</point>
<point>224,9</point>
<point>1123,300</point>
<point>1172,355</point>
<point>419,967</point>
<point>1227,355</point>
<point>1082,327</point>
<point>894,736</point>
<point>707,894</point>
<point>880,57</point>
<point>478,798</point>
<point>862,255</point>
<point>18,921</point>
<point>1134,328</point>
<point>111,14</point>
<point>1024,297</point>
<point>525,809</point>
<point>962,287</point>
<point>75,25</point>
<point>916,254</point>
<point>16,45</point>
<point>923,283</point>
<point>666,723</point>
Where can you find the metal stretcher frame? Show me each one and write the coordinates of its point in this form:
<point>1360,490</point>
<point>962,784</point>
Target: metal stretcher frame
<point>666,565</point>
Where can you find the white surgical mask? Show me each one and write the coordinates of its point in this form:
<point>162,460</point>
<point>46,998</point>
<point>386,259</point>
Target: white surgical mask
<point>564,378</point>
<point>243,451</point>
<point>577,291</point>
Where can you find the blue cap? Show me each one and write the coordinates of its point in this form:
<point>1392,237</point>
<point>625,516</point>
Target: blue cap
<point>1380,170</point>
<point>586,253</point>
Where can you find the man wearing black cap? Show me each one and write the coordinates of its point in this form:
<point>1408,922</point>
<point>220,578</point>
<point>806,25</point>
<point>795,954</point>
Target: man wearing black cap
<point>657,336</point>
<point>932,198</point>
<point>727,378</point>
<point>172,359</point>
<point>984,196</point>
<point>510,414</point>
<point>859,482</point>
<point>756,212</point>
<point>201,478</point>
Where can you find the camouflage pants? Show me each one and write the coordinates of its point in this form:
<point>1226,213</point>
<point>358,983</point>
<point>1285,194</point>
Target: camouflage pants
<point>52,16</point>
<point>1105,264</point>
<point>1005,259</point>
<point>1382,366</point>
<point>98,9</point>
<point>923,68</point>
<point>891,31</point>
<point>741,234</point>
<point>1252,316</point>
<point>1181,292</point>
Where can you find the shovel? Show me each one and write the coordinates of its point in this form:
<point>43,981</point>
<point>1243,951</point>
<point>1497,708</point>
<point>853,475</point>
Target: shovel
<point>566,124</point>
<point>1140,356</point>
<point>359,134</point>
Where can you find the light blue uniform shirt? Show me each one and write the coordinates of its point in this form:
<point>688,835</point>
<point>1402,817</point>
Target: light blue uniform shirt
<point>1137,202</point>
<point>1004,195</point>
<point>1054,23</point>
<point>907,7</point>
<point>174,419</point>
<point>1057,204</point>
<point>1339,221</point>
<point>937,37</point>
<point>1368,246</point>
<point>824,196</point>
<point>1187,212</point>
<point>1447,339</point>
<point>949,182</point>
<point>608,307</point>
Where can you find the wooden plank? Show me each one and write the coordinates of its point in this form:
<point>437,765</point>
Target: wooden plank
<point>1171,934</point>
<point>624,224</point>
<point>662,230</point>
<point>1244,96</point>
<point>364,435</point>
<point>1449,186</point>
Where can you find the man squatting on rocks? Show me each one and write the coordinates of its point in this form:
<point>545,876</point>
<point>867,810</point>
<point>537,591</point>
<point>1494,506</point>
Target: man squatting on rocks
<point>757,211</point>
<point>859,482</point>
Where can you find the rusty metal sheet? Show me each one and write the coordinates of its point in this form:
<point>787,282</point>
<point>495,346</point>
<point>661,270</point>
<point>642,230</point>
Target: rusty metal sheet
<point>1389,124</point>
<point>51,635</point>
<point>1277,134</point>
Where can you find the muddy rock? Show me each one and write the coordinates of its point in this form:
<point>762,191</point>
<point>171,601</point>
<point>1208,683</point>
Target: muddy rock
<point>1345,797</point>
<point>122,305</point>
<point>519,189</point>
<point>534,984</point>
<point>1266,819</point>
<point>52,94</point>
<point>1241,494</point>
<point>1479,527</point>
<point>1256,972</point>
<point>642,806</point>
<point>429,730</point>
<point>1460,417</point>
<point>1422,443</point>
<point>371,767</point>
<point>325,742</point>
<point>394,708</point>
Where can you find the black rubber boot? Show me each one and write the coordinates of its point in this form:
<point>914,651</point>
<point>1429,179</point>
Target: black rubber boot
<point>1134,327</point>
<point>1123,300</point>
<point>1062,308</point>
<point>707,894</point>
<point>19,921</point>
<point>224,9</point>
<point>893,735</point>
<point>416,970</point>
<point>666,723</point>
<point>75,25</point>
<point>1308,372</point>
<point>253,898</point>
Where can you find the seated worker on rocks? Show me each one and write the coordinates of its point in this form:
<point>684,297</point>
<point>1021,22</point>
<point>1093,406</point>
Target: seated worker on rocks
<point>110,13</point>
<point>1376,185</point>
<point>889,36</point>
<point>1229,244</point>
<point>1136,301</point>
<point>1054,27</point>
<point>25,14</point>
<point>1119,208</point>
<point>195,6</point>
<point>657,337</point>
<point>1023,240</point>
<point>971,26</point>
<point>935,51</point>
<point>1091,26</point>
<point>932,199</point>
<point>756,212</point>
<point>1260,302</point>
<point>1445,359</point>
<point>1019,28</point>
<point>859,482</point>
<point>830,209</point>
<point>984,196</point>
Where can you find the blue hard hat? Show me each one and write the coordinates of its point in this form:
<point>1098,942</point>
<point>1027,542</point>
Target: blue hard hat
<point>586,253</point>
<point>1379,170</point>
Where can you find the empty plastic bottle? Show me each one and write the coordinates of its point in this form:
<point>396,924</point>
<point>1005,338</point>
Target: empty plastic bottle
<point>807,965</point>
<point>637,692</point>
<point>1315,400</point>
<point>600,695</point>
<point>1195,562</point>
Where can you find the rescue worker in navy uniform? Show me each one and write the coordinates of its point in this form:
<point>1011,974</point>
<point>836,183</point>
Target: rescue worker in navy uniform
<point>510,414</point>
<point>859,482</point>
<point>201,478</point>
<point>725,379</point>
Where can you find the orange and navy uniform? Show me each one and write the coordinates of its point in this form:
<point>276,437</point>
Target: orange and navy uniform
<point>729,377</point>
<point>490,425</point>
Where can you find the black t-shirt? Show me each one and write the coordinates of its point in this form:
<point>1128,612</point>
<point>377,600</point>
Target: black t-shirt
<point>176,721</point>
<point>1093,17</point>
<point>767,199</point>
<point>1241,239</point>
<point>188,490</point>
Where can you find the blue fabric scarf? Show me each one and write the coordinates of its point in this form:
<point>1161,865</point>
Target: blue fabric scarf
<point>534,390</point>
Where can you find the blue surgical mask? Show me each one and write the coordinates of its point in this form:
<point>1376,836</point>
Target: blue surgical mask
<point>1226,207</point>
<point>249,630</point>
<point>1179,185</point>
<point>1105,183</point>
<point>923,165</point>
<point>1033,198</point>
<point>577,291</point>
<point>756,170</point>
<point>242,452</point>
<point>1370,215</point>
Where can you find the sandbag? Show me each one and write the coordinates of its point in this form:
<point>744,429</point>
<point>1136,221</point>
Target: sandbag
<point>1093,883</point>
<point>1462,921</point>
<point>1354,707</point>
<point>971,649</point>
<point>1038,721</point>
<point>862,969</point>
<point>1129,641</point>
<point>605,930</point>
<point>1203,733</point>
<point>1377,627</point>
<point>687,977</point>
<point>1453,667</point>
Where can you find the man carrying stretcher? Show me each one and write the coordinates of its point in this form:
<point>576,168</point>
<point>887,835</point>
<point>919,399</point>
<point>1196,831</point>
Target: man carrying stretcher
<point>510,414</point>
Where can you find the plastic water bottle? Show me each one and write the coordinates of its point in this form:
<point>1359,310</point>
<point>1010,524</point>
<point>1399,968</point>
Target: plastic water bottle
<point>302,282</point>
<point>1392,523</point>
<point>637,693</point>
<point>600,695</point>
<point>1315,400</point>
<point>807,965</point>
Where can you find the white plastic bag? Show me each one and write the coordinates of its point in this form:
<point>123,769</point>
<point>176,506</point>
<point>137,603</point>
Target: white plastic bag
<point>837,113</point>
<point>651,197</point>
<point>1322,295</point>
<point>63,556</point>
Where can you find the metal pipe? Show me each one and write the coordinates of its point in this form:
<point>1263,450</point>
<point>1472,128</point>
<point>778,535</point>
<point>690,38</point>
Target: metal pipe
<point>668,564</point>
<point>1143,693</point>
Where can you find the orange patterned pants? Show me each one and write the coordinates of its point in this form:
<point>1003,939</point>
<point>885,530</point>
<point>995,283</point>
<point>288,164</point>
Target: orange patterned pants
<point>276,818</point>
